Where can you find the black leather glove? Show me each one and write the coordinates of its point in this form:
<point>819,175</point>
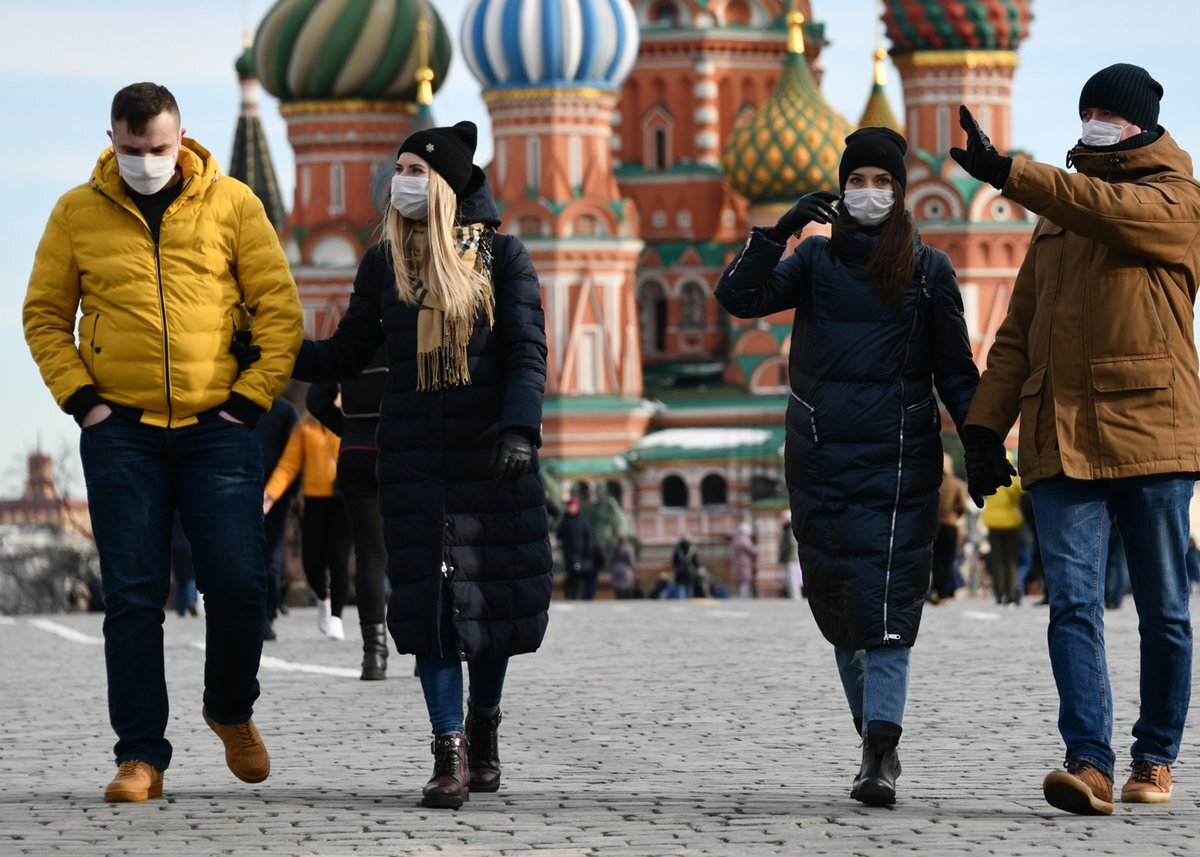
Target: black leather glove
<point>988,467</point>
<point>243,350</point>
<point>512,457</point>
<point>980,159</point>
<point>811,208</point>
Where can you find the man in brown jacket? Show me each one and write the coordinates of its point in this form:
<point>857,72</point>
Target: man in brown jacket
<point>1098,359</point>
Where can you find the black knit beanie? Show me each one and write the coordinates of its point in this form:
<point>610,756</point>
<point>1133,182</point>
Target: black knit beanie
<point>874,147</point>
<point>1127,90</point>
<point>449,151</point>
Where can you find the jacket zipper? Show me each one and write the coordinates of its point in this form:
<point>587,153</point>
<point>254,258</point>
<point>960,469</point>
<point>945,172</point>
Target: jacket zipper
<point>95,325</point>
<point>887,580</point>
<point>812,414</point>
<point>162,306</point>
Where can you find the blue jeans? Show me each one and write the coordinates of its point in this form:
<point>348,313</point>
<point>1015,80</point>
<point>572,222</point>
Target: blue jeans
<point>875,682</point>
<point>1073,522</point>
<point>442,682</point>
<point>137,476</point>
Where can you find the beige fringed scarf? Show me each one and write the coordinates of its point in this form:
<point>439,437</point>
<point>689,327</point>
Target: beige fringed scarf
<point>442,340</point>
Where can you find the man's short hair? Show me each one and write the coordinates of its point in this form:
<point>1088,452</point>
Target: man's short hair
<point>138,103</point>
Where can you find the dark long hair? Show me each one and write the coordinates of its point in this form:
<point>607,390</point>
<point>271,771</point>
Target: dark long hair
<point>893,259</point>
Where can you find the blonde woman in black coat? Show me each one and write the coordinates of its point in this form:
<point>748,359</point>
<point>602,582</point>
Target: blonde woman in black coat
<point>458,305</point>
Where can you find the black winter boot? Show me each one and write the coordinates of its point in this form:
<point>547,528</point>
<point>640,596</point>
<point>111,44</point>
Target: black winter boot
<point>375,652</point>
<point>449,786</point>
<point>483,751</point>
<point>876,782</point>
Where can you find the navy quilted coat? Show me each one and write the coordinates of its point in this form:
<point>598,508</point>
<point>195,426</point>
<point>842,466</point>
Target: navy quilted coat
<point>451,531</point>
<point>863,451</point>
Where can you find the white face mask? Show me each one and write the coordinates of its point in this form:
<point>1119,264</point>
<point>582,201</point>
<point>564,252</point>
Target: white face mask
<point>1097,134</point>
<point>869,206</point>
<point>147,175</point>
<point>410,196</point>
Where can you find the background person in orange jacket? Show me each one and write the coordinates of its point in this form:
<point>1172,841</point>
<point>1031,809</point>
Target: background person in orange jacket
<point>325,532</point>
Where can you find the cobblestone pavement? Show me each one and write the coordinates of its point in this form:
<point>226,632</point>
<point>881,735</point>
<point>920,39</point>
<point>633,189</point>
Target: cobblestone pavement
<point>638,729</point>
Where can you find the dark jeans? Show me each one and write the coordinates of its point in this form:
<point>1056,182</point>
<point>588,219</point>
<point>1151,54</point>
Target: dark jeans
<point>1073,520</point>
<point>945,546</point>
<point>359,489</point>
<point>1002,564</point>
<point>442,682</point>
<point>326,546</point>
<point>137,476</point>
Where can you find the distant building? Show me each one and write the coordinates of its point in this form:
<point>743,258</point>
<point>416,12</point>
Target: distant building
<point>40,504</point>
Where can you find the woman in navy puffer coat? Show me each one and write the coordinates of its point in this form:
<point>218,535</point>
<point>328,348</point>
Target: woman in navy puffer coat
<point>468,552</point>
<point>878,322</point>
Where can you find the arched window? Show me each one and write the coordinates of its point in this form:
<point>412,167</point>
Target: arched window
<point>665,14</point>
<point>652,316</point>
<point>714,491</point>
<point>691,306</point>
<point>615,490</point>
<point>587,226</point>
<point>659,158</point>
<point>738,13</point>
<point>674,493</point>
<point>530,226</point>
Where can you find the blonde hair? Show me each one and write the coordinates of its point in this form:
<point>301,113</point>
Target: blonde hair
<point>461,288</point>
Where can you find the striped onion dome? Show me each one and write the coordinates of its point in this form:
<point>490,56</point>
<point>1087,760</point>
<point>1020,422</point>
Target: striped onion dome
<point>940,25</point>
<point>348,49</point>
<point>511,44</point>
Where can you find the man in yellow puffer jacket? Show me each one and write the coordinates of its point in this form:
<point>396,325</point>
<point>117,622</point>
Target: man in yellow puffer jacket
<point>164,255</point>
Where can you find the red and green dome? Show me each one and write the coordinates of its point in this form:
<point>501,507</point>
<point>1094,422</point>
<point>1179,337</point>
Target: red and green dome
<point>957,25</point>
<point>348,49</point>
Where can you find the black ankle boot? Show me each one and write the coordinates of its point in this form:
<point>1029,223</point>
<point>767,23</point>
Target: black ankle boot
<point>449,786</point>
<point>375,652</point>
<point>483,751</point>
<point>876,781</point>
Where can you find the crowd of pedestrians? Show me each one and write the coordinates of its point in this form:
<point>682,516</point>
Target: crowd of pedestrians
<point>420,446</point>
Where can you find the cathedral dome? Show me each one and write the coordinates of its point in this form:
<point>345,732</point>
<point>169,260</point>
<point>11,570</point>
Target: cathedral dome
<point>348,49</point>
<point>947,25</point>
<point>792,144</point>
<point>513,44</point>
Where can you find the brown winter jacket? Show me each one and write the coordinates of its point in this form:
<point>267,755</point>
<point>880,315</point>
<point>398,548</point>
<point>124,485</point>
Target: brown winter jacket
<point>1097,354</point>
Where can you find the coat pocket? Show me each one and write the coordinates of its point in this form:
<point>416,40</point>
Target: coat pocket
<point>1135,409</point>
<point>812,416</point>
<point>89,346</point>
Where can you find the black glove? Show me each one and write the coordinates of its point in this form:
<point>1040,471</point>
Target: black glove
<point>810,208</point>
<point>988,467</point>
<point>980,159</point>
<point>512,457</point>
<point>243,351</point>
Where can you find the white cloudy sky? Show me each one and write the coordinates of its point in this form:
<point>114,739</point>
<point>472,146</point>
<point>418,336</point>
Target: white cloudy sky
<point>64,59</point>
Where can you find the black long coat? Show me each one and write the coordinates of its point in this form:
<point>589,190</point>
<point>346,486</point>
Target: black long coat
<point>863,450</point>
<point>451,530</point>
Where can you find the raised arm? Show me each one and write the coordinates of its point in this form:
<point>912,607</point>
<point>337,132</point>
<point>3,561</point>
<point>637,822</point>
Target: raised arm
<point>1159,221</point>
<point>359,333</point>
<point>757,284</point>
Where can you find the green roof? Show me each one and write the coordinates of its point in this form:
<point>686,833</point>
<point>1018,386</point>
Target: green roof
<point>711,253</point>
<point>560,467</point>
<point>572,404</point>
<point>746,443</point>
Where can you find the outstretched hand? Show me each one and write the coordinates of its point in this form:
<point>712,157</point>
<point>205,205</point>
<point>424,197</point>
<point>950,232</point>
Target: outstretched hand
<point>814,207</point>
<point>980,159</point>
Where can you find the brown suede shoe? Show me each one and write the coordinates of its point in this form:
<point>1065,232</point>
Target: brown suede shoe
<point>134,782</point>
<point>1148,783</point>
<point>1080,789</point>
<point>244,751</point>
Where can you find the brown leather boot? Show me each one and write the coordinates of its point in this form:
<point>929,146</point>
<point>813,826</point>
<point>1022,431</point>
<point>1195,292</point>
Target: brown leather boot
<point>245,753</point>
<point>135,781</point>
<point>483,751</point>
<point>450,784</point>
<point>1080,789</point>
<point>1148,783</point>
